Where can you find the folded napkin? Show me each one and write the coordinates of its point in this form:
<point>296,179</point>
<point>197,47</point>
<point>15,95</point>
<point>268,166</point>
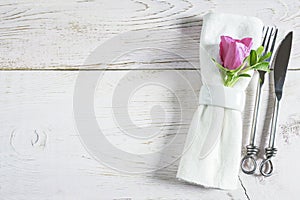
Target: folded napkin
<point>212,151</point>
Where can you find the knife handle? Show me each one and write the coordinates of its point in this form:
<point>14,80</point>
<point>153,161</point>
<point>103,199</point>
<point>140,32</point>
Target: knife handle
<point>274,124</point>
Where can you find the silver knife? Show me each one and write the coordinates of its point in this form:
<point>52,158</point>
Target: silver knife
<point>280,64</point>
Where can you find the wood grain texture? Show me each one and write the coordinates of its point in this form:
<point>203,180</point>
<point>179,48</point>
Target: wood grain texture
<point>62,34</point>
<point>148,49</point>
<point>42,156</point>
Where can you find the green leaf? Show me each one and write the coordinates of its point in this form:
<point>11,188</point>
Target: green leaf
<point>253,57</point>
<point>262,66</point>
<point>234,71</point>
<point>265,57</point>
<point>245,75</point>
<point>219,66</point>
<point>247,59</point>
<point>259,51</point>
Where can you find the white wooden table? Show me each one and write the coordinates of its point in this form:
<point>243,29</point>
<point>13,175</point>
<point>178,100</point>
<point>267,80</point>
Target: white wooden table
<point>150,53</point>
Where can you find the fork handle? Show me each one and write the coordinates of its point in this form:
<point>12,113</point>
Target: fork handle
<point>255,113</point>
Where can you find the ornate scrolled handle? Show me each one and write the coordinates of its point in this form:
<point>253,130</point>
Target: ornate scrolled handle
<point>266,166</point>
<point>248,164</point>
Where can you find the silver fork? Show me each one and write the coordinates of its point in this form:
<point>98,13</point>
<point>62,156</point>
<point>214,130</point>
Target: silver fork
<point>248,163</point>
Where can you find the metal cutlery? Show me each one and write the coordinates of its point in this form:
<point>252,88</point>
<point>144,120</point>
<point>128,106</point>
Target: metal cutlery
<point>280,68</point>
<point>248,163</point>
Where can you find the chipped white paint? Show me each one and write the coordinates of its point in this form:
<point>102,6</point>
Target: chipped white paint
<point>61,34</point>
<point>41,155</point>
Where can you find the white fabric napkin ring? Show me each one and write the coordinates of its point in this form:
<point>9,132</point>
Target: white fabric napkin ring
<point>221,96</point>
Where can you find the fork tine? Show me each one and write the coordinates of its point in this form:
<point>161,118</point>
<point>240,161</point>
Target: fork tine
<point>265,36</point>
<point>268,43</point>
<point>263,31</point>
<point>274,40</point>
<point>273,43</point>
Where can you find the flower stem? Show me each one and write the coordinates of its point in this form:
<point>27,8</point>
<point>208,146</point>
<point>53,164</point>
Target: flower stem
<point>230,79</point>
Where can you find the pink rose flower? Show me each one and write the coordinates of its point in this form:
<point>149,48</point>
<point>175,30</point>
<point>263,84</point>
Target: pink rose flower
<point>233,52</point>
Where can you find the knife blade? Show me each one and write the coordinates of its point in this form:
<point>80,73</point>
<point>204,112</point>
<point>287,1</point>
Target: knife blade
<point>281,63</point>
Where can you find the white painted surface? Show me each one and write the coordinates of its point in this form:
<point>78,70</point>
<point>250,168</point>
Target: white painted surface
<point>41,155</point>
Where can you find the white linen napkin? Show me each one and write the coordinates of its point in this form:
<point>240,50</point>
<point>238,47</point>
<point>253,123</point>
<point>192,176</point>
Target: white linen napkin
<point>212,151</point>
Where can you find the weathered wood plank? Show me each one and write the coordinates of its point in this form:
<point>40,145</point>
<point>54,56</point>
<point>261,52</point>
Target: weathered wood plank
<point>62,34</point>
<point>41,155</point>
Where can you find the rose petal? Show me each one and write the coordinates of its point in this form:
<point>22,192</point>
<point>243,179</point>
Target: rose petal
<point>233,52</point>
<point>247,41</point>
<point>224,45</point>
